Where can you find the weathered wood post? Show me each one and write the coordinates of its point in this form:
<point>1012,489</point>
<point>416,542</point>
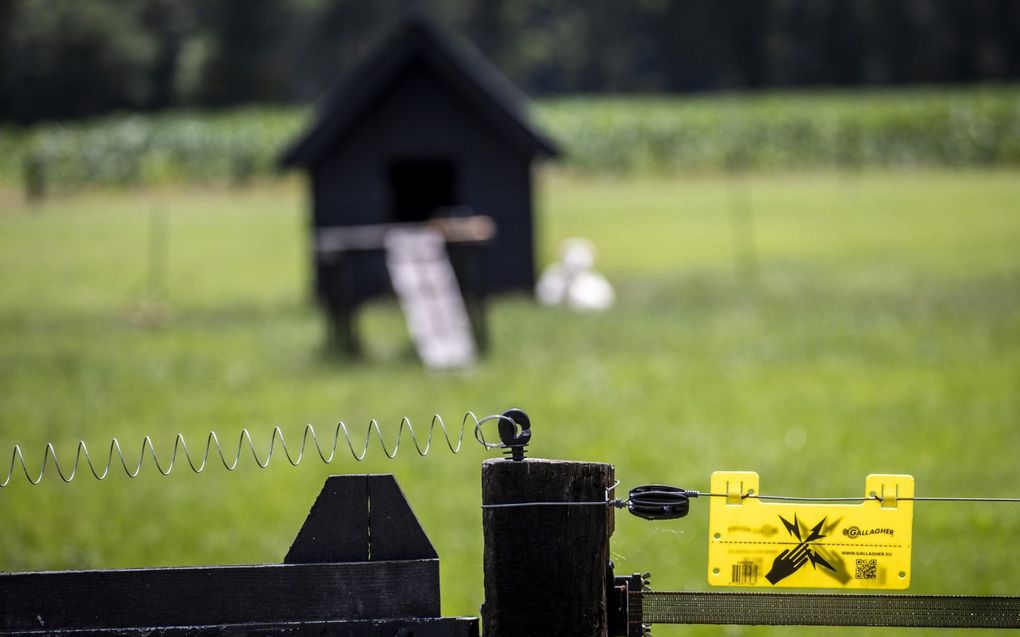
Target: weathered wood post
<point>545,565</point>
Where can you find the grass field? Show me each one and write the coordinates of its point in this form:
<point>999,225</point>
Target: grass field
<point>882,334</point>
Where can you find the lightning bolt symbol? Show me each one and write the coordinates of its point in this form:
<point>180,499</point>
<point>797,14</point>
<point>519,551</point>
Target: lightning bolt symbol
<point>793,528</point>
<point>816,533</point>
<point>818,559</point>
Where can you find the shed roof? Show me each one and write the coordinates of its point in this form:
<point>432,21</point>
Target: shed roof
<point>419,38</point>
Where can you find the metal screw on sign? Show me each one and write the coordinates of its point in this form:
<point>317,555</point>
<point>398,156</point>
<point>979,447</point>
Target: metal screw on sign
<point>515,432</point>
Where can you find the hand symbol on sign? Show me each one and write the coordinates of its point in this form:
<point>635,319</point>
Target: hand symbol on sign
<point>787,562</point>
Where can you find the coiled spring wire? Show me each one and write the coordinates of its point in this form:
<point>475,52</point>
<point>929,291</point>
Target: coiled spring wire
<point>230,462</point>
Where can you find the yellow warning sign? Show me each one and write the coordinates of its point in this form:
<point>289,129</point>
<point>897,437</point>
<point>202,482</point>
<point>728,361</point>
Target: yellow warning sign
<point>772,544</point>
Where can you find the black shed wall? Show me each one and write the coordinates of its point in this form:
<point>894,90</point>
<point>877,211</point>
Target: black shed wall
<point>420,117</point>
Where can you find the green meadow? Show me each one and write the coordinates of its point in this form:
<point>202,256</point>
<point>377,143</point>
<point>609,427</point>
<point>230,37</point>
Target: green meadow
<point>814,327</point>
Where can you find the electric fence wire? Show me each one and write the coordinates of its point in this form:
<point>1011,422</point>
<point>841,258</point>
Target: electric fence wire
<point>914,498</point>
<point>675,498</point>
<point>230,462</point>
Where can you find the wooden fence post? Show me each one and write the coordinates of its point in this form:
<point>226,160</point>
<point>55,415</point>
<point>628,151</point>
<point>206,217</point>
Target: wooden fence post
<point>545,566</point>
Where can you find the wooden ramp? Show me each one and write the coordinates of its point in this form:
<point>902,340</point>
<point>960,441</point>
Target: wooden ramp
<point>426,287</point>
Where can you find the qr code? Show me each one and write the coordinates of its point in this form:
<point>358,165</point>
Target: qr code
<point>867,569</point>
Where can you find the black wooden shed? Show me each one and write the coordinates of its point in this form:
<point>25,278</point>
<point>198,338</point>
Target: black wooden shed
<point>424,126</point>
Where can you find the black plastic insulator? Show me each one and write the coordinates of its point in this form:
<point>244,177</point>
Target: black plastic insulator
<point>658,502</point>
<point>515,432</point>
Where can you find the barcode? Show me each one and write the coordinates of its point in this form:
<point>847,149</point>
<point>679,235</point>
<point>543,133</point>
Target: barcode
<point>867,569</point>
<point>745,573</point>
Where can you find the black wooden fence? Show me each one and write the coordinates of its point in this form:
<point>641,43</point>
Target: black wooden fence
<point>361,565</point>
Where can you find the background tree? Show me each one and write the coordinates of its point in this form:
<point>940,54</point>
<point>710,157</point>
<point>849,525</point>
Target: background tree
<point>76,58</point>
<point>64,58</point>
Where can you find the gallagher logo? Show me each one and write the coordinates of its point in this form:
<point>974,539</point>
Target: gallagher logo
<point>853,532</point>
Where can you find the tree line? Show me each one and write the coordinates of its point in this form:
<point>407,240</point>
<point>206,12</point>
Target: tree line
<point>67,59</point>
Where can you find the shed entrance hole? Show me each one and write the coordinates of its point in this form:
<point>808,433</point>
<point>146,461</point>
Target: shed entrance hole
<point>420,186</point>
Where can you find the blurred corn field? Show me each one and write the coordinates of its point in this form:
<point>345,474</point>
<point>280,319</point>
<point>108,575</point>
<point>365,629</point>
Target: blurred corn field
<point>959,127</point>
<point>784,131</point>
